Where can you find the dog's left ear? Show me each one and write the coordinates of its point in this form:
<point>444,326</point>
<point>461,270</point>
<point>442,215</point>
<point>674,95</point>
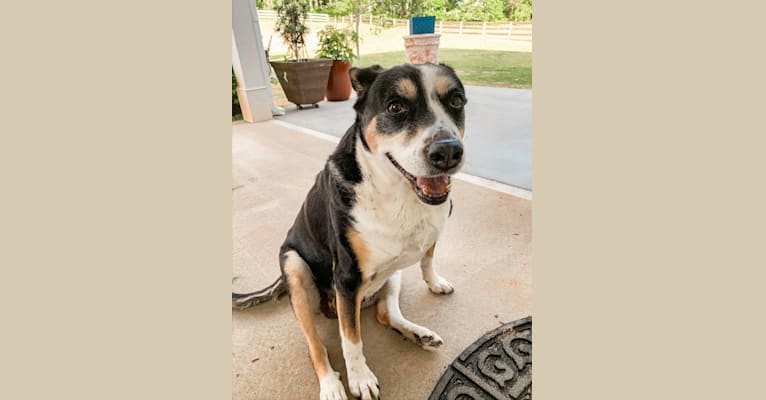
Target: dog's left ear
<point>362,78</point>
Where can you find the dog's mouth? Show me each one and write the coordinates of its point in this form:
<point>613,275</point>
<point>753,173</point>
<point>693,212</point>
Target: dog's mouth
<point>431,190</point>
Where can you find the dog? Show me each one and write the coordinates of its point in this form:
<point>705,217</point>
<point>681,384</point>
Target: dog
<point>378,206</point>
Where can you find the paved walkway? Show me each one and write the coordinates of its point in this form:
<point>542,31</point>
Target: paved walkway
<point>484,252</point>
<point>498,131</point>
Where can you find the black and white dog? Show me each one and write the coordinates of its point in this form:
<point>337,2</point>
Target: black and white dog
<point>379,205</point>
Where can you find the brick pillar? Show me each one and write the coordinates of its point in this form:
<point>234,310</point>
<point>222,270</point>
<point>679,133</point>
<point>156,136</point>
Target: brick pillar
<point>421,49</point>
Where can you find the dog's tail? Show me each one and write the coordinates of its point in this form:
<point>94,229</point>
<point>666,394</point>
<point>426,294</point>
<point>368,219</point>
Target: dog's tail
<point>245,300</point>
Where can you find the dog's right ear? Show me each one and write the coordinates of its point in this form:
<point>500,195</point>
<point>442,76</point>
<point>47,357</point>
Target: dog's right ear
<point>362,78</point>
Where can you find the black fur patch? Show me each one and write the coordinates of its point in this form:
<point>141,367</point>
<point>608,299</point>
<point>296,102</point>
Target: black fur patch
<point>416,112</point>
<point>319,235</point>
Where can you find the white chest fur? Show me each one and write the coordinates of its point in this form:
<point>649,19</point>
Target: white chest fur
<point>396,228</point>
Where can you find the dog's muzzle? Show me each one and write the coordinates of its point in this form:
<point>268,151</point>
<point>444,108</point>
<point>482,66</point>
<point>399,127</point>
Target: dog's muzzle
<point>433,190</point>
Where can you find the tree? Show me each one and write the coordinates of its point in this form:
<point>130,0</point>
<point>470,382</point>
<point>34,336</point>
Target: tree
<point>481,10</point>
<point>291,25</point>
<point>359,7</point>
<point>519,10</point>
<point>439,8</point>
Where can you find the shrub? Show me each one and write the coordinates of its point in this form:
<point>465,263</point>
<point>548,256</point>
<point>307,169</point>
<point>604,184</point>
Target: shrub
<point>520,10</point>
<point>236,110</point>
<point>442,9</point>
<point>340,7</point>
<point>335,44</point>
<point>481,10</point>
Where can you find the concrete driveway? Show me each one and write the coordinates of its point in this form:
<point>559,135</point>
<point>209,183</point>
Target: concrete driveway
<point>498,134</point>
<point>484,252</point>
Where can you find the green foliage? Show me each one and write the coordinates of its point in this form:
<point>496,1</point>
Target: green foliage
<point>236,110</point>
<point>519,10</point>
<point>291,25</point>
<point>398,9</point>
<point>439,8</point>
<point>335,44</point>
<point>339,7</point>
<point>479,10</point>
<point>447,10</point>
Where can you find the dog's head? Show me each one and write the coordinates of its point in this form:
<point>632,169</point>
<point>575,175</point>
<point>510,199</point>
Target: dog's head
<point>412,116</point>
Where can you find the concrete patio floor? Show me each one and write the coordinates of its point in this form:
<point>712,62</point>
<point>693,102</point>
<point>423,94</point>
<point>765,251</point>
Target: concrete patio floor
<point>484,253</point>
<point>498,133</point>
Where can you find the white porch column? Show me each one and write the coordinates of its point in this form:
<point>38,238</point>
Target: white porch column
<point>251,68</point>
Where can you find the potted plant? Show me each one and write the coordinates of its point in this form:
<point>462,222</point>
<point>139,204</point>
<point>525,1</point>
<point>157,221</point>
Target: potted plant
<point>304,81</point>
<point>335,44</point>
<point>422,44</point>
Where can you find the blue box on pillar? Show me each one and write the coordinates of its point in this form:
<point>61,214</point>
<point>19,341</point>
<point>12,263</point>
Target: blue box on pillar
<point>420,25</point>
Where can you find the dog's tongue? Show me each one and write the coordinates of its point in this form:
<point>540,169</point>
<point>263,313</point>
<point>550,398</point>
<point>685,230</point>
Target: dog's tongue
<point>435,184</point>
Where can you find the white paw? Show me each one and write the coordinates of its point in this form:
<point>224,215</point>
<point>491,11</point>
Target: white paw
<point>423,337</point>
<point>427,339</point>
<point>362,383</point>
<point>440,285</point>
<point>331,388</point>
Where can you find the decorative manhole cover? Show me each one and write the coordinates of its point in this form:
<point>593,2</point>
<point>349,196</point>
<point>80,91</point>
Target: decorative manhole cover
<point>497,366</point>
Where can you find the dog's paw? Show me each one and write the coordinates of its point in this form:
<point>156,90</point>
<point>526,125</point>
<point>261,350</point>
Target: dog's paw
<point>428,340</point>
<point>331,388</point>
<point>362,383</point>
<point>440,285</point>
<point>423,337</point>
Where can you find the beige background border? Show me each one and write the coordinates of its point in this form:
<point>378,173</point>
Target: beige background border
<point>116,204</point>
<point>648,174</point>
<point>648,223</point>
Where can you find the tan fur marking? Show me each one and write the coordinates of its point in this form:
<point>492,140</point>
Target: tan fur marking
<point>349,312</point>
<point>430,252</point>
<point>302,310</point>
<point>406,87</point>
<point>361,251</point>
<point>442,85</point>
<point>382,313</point>
<point>371,135</point>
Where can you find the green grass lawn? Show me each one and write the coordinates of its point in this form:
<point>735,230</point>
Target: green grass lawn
<point>474,67</point>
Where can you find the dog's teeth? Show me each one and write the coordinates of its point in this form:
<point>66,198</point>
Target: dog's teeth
<point>426,191</point>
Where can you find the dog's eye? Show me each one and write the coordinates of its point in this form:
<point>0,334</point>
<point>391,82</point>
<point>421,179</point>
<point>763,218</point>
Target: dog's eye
<point>395,108</point>
<point>457,102</point>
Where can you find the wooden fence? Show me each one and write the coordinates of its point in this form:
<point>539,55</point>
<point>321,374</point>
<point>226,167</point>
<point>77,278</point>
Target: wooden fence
<point>515,31</point>
<point>271,15</point>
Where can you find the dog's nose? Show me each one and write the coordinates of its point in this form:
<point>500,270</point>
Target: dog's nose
<point>445,154</point>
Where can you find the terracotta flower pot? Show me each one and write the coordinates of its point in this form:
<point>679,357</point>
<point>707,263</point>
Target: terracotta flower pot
<point>339,84</point>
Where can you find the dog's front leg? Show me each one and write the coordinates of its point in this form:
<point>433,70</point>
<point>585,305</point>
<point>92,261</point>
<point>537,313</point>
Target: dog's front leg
<point>389,314</point>
<point>349,272</point>
<point>361,381</point>
<point>435,282</point>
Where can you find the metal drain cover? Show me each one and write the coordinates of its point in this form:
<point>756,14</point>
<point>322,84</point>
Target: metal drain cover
<point>497,366</point>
